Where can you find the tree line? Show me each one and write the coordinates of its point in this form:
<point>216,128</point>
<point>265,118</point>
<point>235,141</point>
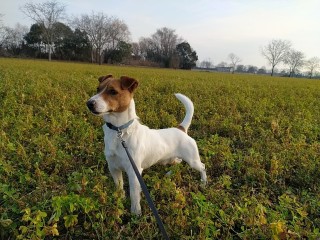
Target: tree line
<point>277,51</point>
<point>280,51</point>
<point>94,37</point>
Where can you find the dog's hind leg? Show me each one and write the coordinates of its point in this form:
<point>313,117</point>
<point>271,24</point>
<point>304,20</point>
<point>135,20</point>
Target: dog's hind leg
<point>199,166</point>
<point>191,156</point>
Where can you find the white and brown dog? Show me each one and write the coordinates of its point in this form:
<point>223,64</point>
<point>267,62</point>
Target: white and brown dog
<point>114,102</point>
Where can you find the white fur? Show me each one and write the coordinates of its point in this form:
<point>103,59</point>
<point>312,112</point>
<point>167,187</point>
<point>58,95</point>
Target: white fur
<point>189,110</point>
<point>147,147</point>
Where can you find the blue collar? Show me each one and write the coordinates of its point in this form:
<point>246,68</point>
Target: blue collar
<point>115,128</point>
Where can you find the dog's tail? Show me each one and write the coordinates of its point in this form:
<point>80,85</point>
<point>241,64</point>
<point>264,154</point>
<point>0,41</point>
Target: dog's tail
<point>189,111</point>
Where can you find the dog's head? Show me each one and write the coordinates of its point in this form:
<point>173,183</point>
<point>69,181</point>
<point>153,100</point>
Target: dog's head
<point>113,95</point>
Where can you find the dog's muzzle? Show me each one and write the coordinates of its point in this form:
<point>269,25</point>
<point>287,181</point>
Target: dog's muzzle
<point>91,104</point>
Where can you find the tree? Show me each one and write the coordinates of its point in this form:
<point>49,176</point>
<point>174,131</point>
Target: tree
<point>222,64</point>
<point>13,39</point>
<point>312,65</point>
<point>241,69</point>
<point>262,70</point>
<point>45,14</point>
<point>187,56</point>
<point>1,23</point>
<point>165,40</point>
<point>275,52</point>
<point>80,45</point>
<point>119,36</point>
<point>103,32</point>
<point>234,61</point>
<point>118,32</point>
<point>294,59</point>
<point>1,32</point>
<point>135,48</point>
<point>62,37</point>
<point>1,26</point>
<point>149,50</point>
<point>121,51</point>
<point>161,46</point>
<point>94,25</point>
<point>206,64</point>
<point>34,40</point>
<point>252,69</point>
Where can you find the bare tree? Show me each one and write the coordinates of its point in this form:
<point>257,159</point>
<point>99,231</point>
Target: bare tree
<point>1,24</point>
<point>222,64</point>
<point>1,30</point>
<point>136,52</point>
<point>118,31</point>
<point>234,61</point>
<point>12,39</point>
<point>166,40</point>
<point>103,32</point>
<point>312,65</point>
<point>95,26</point>
<point>294,59</point>
<point>45,14</point>
<point>206,63</point>
<point>149,49</point>
<point>160,47</point>
<point>275,52</point>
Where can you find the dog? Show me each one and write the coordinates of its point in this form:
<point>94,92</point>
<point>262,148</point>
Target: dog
<point>114,102</point>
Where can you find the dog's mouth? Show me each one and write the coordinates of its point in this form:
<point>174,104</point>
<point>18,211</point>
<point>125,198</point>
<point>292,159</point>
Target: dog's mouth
<point>95,112</point>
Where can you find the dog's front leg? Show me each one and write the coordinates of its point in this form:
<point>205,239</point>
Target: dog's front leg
<point>117,177</point>
<point>135,193</point>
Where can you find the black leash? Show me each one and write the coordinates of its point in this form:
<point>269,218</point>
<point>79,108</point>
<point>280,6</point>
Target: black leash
<point>140,179</point>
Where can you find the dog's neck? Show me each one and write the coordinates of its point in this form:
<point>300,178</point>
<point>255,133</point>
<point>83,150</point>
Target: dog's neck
<point>120,118</point>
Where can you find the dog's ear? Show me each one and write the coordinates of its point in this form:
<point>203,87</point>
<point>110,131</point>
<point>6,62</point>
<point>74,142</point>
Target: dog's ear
<point>102,78</point>
<point>128,83</point>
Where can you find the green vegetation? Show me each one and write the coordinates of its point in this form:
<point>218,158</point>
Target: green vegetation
<point>258,136</point>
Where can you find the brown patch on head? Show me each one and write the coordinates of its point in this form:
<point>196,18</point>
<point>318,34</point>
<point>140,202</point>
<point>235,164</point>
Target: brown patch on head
<point>182,128</point>
<point>117,93</point>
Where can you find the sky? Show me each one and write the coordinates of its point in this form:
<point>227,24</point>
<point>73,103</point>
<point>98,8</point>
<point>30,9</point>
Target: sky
<point>213,28</point>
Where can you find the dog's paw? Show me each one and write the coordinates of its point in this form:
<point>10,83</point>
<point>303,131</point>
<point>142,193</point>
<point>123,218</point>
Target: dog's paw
<point>136,210</point>
<point>203,183</point>
<point>120,193</point>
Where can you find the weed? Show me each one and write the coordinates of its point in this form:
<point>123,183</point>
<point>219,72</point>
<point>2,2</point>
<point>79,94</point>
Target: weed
<point>258,136</point>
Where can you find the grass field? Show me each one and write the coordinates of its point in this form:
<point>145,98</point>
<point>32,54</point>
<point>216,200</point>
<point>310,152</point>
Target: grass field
<point>258,136</point>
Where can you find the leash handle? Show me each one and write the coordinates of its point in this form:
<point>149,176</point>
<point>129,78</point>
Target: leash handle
<point>144,189</point>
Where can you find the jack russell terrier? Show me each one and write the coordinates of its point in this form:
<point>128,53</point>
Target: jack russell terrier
<point>114,102</point>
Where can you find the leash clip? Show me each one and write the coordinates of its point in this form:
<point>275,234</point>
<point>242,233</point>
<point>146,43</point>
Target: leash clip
<point>119,134</point>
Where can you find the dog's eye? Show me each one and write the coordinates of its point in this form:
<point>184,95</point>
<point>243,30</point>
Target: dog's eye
<point>112,92</point>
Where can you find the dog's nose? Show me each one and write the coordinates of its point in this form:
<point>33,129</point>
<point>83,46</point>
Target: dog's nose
<point>91,104</point>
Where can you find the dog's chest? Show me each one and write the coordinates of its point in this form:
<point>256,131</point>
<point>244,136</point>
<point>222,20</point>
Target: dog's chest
<point>112,143</point>
<point>114,151</point>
